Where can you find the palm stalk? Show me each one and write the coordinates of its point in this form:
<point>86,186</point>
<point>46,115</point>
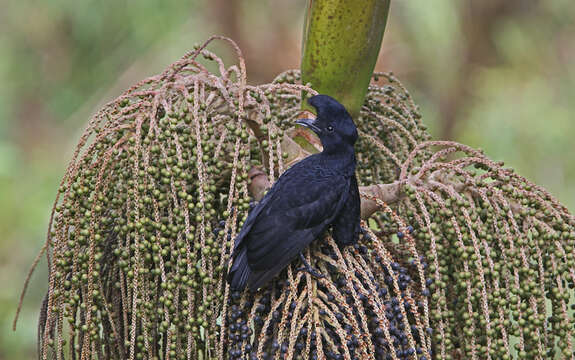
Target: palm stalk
<point>341,43</point>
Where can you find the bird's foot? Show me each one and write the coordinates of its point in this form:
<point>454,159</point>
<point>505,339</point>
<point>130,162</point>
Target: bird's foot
<point>313,272</point>
<point>308,268</point>
<point>363,231</point>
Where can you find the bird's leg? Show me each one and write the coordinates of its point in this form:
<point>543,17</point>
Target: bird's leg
<point>307,267</point>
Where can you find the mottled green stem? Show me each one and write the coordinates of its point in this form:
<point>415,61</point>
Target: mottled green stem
<point>341,42</point>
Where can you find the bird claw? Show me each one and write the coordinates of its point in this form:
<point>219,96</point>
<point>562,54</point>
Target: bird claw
<point>313,272</point>
<point>365,233</point>
<point>308,268</point>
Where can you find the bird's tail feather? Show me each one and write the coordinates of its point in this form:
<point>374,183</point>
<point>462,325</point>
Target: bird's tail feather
<point>240,271</point>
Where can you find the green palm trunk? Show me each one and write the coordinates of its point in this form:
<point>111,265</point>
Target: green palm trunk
<point>341,43</point>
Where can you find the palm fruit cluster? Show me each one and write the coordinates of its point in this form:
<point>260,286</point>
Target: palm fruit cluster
<point>461,258</point>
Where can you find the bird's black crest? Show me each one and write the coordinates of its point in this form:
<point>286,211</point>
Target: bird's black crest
<point>327,107</point>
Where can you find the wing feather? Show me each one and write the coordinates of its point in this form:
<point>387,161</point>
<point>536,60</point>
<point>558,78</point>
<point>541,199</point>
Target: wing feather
<point>298,208</point>
<point>281,229</point>
<point>346,226</point>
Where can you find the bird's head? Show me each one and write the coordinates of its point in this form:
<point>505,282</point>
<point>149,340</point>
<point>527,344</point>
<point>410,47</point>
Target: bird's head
<point>333,123</point>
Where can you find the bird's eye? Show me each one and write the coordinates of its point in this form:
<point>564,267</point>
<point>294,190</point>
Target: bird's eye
<point>329,128</point>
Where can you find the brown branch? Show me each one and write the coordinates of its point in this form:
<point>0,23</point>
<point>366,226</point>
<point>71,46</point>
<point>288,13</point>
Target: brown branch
<point>388,193</point>
<point>259,183</point>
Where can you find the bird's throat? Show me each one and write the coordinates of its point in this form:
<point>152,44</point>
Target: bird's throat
<point>344,160</point>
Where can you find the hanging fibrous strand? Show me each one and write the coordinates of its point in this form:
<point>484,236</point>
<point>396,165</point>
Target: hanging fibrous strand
<point>460,258</point>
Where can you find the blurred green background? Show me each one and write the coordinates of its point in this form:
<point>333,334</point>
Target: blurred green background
<point>495,74</point>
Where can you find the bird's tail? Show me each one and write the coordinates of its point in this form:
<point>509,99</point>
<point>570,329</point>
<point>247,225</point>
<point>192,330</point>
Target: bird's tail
<point>240,271</point>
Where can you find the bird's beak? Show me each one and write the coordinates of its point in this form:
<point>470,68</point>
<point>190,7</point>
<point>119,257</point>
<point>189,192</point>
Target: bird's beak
<point>309,123</point>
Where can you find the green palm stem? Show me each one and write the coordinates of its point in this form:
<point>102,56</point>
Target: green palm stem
<point>341,42</point>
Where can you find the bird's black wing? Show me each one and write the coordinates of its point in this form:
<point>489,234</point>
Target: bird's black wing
<point>302,203</point>
<point>240,270</point>
<point>270,195</point>
<point>253,215</point>
<point>346,226</point>
<point>276,239</point>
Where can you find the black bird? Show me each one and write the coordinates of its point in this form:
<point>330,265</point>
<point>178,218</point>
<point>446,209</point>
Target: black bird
<point>319,191</point>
